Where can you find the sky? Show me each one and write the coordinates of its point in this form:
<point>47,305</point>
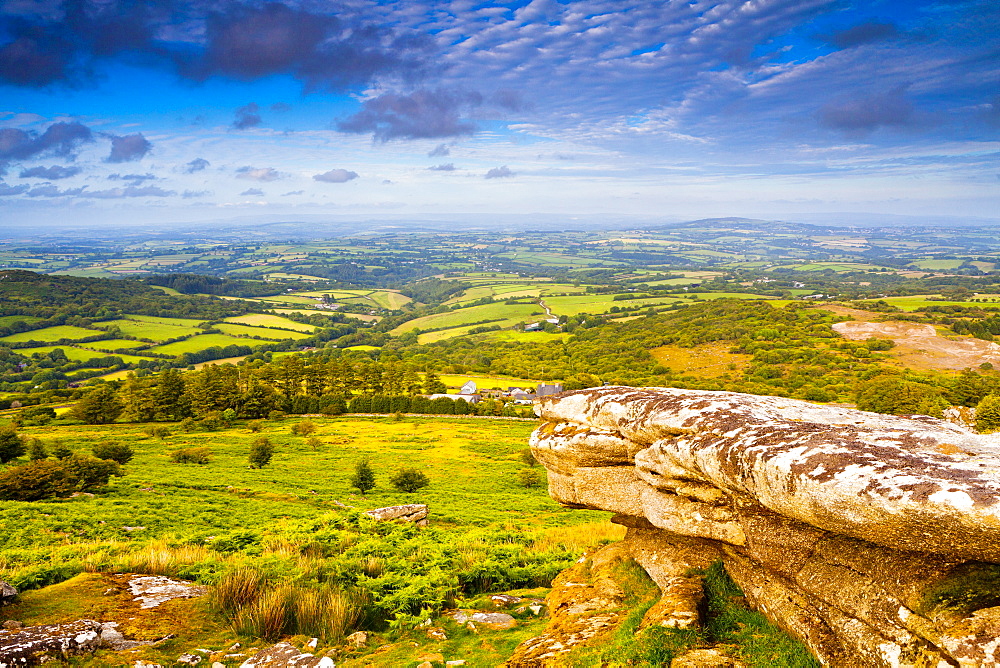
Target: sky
<point>160,111</point>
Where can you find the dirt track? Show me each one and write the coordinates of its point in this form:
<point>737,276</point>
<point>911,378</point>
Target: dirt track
<point>920,346</point>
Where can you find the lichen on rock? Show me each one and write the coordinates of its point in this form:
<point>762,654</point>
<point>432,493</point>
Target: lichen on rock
<point>838,524</point>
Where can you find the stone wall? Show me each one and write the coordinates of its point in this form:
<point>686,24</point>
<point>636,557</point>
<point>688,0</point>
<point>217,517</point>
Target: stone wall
<point>872,538</point>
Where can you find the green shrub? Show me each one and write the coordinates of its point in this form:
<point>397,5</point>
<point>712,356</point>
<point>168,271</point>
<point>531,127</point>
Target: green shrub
<point>37,450</point>
<point>261,451</point>
<point>527,457</point>
<point>46,478</point>
<point>304,428</point>
<point>115,451</point>
<point>988,414</point>
<point>409,480</point>
<point>255,426</point>
<point>200,455</point>
<point>11,445</point>
<point>528,478</point>
<point>363,478</point>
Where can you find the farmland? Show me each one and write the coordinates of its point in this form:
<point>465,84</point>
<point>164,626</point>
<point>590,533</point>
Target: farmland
<point>57,333</point>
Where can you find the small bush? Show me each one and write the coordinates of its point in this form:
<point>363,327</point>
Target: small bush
<point>191,456</point>
<point>363,478</point>
<point>37,450</point>
<point>261,451</point>
<point>46,478</point>
<point>61,452</point>
<point>113,450</point>
<point>527,457</point>
<point>255,426</point>
<point>314,442</point>
<point>159,431</point>
<point>528,478</point>
<point>304,428</point>
<point>409,480</point>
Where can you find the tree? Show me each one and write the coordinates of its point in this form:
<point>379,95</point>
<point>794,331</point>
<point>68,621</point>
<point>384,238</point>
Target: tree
<point>304,428</point>
<point>37,450</point>
<point>11,445</point>
<point>113,451</point>
<point>988,414</point>
<point>409,480</point>
<point>261,451</point>
<point>433,384</point>
<point>899,397</point>
<point>363,478</point>
<point>527,478</point>
<point>99,406</point>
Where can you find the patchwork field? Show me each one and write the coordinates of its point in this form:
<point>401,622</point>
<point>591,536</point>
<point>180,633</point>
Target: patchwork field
<point>160,329</point>
<point>203,341</point>
<point>56,333</point>
<point>504,315</point>
<point>262,332</point>
<point>268,320</point>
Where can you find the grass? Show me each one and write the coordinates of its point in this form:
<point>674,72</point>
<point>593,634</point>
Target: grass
<point>268,320</point>
<point>261,332</point>
<point>152,331</point>
<point>914,302</point>
<point>486,382</point>
<point>203,341</point>
<point>10,319</point>
<point>500,314</point>
<point>55,333</point>
<point>73,354</point>
<point>705,361</point>
<point>115,344</point>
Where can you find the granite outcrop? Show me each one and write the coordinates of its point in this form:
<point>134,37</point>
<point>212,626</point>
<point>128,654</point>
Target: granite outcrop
<point>875,539</point>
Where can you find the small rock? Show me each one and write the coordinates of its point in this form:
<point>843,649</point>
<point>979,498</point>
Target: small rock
<point>312,643</point>
<point>7,593</point>
<point>189,659</point>
<point>358,639</point>
<point>496,621</point>
<point>456,662</point>
<point>433,657</point>
<point>152,590</point>
<point>425,664</point>
<point>235,645</point>
<point>145,664</point>
<point>12,624</point>
<point>705,658</point>
<point>216,664</point>
<point>535,609</point>
<point>505,600</point>
<point>436,633</point>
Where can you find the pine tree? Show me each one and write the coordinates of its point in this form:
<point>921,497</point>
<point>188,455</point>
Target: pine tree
<point>11,445</point>
<point>988,414</point>
<point>99,406</point>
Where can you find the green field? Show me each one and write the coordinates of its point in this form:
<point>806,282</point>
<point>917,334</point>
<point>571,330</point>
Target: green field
<point>913,302</point>
<point>456,381</point>
<point>504,315</point>
<point>10,319</point>
<point>158,329</point>
<point>262,332</point>
<point>78,354</point>
<point>937,265</point>
<point>116,344</point>
<point>268,320</point>
<point>52,334</point>
<point>203,341</point>
<point>577,304</point>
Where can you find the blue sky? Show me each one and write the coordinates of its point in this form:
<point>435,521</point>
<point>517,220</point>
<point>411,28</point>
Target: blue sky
<point>171,111</point>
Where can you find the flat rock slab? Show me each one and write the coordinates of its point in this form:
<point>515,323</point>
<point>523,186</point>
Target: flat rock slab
<point>410,512</point>
<point>153,590</point>
<point>686,456</point>
<point>284,654</point>
<point>496,621</point>
<point>34,645</point>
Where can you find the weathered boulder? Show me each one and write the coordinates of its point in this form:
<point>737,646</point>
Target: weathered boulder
<point>7,593</point>
<point>154,590</point>
<point>34,645</point>
<point>285,654</point>
<point>873,538</point>
<point>411,512</point>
